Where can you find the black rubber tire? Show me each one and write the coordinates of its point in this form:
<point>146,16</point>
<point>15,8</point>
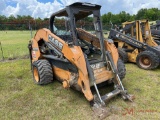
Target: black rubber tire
<point>157,41</point>
<point>147,60</point>
<point>123,55</point>
<point>42,72</point>
<point>121,69</point>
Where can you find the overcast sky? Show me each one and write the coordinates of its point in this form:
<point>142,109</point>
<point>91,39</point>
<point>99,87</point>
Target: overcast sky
<point>44,8</point>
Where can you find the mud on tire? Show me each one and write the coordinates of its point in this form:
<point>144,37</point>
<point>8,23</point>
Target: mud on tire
<point>42,72</point>
<point>147,60</point>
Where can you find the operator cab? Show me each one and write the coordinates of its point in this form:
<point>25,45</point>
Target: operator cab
<point>72,27</point>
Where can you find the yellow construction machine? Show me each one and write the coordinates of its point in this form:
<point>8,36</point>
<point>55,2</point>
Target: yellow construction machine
<point>77,58</point>
<point>136,44</point>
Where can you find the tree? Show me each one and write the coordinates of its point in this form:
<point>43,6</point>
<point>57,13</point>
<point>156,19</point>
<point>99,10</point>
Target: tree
<point>3,18</point>
<point>22,22</point>
<point>107,18</point>
<point>123,16</point>
<point>141,14</point>
<point>11,18</point>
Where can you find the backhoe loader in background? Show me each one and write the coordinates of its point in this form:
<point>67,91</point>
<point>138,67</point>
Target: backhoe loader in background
<point>136,44</point>
<point>77,58</point>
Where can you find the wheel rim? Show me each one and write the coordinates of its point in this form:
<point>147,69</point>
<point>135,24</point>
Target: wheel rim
<point>145,61</point>
<point>35,73</point>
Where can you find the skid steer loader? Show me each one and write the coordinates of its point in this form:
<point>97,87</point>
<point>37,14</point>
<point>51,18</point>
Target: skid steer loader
<point>135,44</point>
<point>77,58</point>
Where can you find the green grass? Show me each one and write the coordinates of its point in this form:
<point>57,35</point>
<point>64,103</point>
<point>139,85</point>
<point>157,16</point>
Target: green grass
<point>20,98</point>
<point>14,43</point>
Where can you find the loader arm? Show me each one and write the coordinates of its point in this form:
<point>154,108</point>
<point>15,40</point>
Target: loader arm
<point>116,35</point>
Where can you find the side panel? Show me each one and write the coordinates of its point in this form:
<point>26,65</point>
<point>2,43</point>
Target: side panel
<point>132,56</point>
<point>47,36</point>
<point>73,54</point>
<point>61,74</point>
<point>35,50</point>
<point>102,74</point>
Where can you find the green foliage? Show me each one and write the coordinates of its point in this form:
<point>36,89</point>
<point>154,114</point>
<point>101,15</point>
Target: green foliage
<point>25,22</point>
<point>151,14</point>
<point>89,19</point>
<point>106,18</point>
<point>141,14</point>
<point>3,18</point>
<point>116,18</point>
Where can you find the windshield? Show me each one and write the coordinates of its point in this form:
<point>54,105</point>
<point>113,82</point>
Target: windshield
<point>61,27</point>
